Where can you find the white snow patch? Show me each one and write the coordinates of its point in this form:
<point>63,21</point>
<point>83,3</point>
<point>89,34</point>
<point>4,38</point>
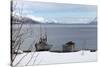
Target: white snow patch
<point>54,58</point>
<point>37,18</point>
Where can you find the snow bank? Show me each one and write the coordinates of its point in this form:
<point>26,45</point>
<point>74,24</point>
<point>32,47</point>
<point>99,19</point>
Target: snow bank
<point>36,58</point>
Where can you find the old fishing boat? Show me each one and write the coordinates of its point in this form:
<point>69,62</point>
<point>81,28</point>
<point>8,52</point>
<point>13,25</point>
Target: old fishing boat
<point>42,44</point>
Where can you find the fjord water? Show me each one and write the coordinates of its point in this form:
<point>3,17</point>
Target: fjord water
<point>84,36</point>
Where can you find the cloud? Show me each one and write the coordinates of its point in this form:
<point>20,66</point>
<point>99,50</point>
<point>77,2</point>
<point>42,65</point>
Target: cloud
<point>55,12</point>
<point>54,7</point>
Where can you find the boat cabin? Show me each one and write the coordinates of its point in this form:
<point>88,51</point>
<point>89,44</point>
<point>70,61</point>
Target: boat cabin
<point>69,47</point>
<point>42,45</point>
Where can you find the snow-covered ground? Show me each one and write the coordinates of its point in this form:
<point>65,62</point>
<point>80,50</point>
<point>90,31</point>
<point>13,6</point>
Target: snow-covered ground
<point>45,57</point>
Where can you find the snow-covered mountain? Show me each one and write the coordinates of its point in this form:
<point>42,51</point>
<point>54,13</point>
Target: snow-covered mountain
<point>37,20</point>
<point>94,22</point>
<point>22,19</point>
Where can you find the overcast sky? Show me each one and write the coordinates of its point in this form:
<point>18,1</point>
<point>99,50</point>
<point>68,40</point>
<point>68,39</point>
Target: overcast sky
<point>62,13</point>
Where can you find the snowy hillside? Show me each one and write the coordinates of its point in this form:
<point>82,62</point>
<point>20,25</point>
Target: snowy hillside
<point>23,19</point>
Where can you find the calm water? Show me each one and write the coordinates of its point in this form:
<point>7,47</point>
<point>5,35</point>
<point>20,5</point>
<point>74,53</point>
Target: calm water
<point>84,36</point>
